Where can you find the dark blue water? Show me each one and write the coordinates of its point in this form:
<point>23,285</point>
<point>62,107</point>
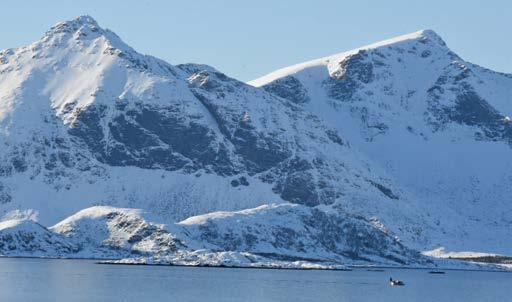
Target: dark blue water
<point>80,280</point>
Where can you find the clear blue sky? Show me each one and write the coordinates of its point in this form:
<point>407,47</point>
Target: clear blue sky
<point>247,39</point>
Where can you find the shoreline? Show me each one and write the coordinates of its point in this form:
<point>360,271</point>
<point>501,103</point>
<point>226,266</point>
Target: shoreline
<point>114,261</point>
<point>348,267</point>
<point>227,266</point>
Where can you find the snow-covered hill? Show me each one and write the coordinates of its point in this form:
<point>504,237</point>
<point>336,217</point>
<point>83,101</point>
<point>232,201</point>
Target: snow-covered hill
<point>371,155</point>
<point>287,235</point>
<point>289,231</point>
<point>24,237</point>
<point>106,232</point>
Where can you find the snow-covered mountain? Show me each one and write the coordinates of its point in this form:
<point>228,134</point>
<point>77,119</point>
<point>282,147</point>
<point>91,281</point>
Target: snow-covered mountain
<point>437,124</point>
<point>370,155</point>
<point>87,120</point>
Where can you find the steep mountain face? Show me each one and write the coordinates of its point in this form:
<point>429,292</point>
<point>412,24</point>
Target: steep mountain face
<point>436,123</point>
<point>86,120</point>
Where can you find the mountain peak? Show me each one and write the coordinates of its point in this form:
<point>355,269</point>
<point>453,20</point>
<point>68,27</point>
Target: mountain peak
<point>429,32</point>
<point>426,39</point>
<point>82,28</point>
<point>80,23</point>
<point>426,34</point>
<point>85,20</point>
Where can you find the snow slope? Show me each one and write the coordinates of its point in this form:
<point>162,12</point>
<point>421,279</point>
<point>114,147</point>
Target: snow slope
<point>437,124</point>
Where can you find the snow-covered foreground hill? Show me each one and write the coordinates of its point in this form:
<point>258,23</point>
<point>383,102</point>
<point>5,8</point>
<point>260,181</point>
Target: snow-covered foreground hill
<point>285,233</point>
<point>270,236</point>
<point>370,156</point>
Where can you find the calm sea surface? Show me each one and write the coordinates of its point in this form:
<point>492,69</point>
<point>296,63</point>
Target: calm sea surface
<point>83,280</point>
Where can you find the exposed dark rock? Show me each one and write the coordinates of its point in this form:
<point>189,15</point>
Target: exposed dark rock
<point>151,137</point>
<point>334,137</point>
<point>259,151</point>
<point>289,88</point>
<point>385,190</point>
<point>243,181</point>
<point>240,181</point>
<point>5,196</point>
<point>354,70</point>
<point>468,108</point>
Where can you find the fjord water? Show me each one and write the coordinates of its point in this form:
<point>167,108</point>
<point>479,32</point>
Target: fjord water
<point>83,280</point>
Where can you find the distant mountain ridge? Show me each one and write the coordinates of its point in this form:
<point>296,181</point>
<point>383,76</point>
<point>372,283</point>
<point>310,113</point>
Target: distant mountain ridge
<point>85,120</point>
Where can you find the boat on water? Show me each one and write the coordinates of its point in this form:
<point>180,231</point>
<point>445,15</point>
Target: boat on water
<point>396,282</point>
